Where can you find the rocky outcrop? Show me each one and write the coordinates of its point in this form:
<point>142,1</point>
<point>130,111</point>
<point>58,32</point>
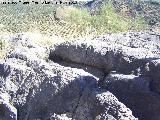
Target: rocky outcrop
<point>112,77</point>
<point>7,111</point>
<point>154,73</point>
<point>101,105</point>
<point>42,89</point>
<point>119,53</point>
<point>135,92</point>
<point>134,57</point>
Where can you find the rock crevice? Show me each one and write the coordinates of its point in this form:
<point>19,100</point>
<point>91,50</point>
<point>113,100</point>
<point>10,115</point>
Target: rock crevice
<point>98,79</point>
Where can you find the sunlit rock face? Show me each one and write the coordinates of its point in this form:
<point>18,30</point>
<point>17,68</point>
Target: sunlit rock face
<point>110,77</point>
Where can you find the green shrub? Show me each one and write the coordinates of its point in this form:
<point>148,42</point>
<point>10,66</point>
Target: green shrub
<point>107,22</point>
<point>24,18</point>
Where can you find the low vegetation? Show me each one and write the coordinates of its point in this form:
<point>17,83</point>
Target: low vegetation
<point>4,46</point>
<point>73,22</point>
<point>24,18</point>
<point>108,21</point>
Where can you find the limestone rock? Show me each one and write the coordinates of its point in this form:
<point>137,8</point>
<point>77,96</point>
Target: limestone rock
<point>154,73</point>
<point>7,111</point>
<point>101,105</point>
<point>109,52</point>
<point>45,87</point>
<point>135,93</point>
<point>72,82</point>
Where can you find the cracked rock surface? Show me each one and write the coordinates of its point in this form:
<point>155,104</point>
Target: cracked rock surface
<point>104,78</point>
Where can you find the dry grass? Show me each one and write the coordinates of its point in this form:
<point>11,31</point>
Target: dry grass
<point>73,22</point>
<point>107,22</point>
<point>37,21</point>
<point>45,40</point>
<point>4,48</point>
